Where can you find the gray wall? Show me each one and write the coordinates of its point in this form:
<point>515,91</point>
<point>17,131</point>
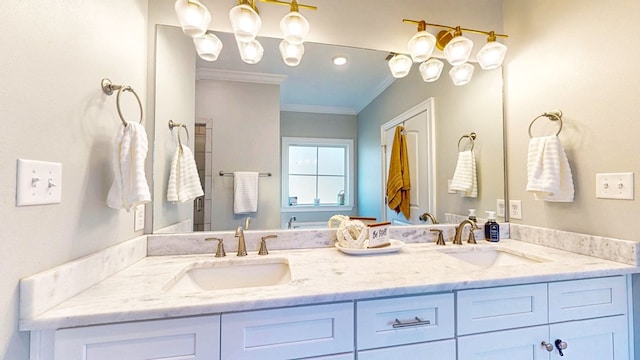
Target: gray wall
<point>459,110</point>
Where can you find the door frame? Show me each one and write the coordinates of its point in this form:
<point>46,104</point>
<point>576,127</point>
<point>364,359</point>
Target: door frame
<point>427,106</point>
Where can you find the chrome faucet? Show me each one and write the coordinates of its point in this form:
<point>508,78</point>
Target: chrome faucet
<point>457,240</point>
<point>426,216</point>
<point>290,223</point>
<point>242,248</point>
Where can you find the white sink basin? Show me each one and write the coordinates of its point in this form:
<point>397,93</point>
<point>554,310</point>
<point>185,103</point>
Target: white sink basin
<point>219,274</point>
<point>490,257</point>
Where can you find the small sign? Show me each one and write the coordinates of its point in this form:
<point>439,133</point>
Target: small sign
<point>378,234</point>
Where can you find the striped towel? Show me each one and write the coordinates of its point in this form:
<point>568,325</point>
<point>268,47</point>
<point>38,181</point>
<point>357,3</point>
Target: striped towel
<point>245,192</point>
<point>184,181</point>
<point>465,180</point>
<point>129,187</point>
<point>548,172</point>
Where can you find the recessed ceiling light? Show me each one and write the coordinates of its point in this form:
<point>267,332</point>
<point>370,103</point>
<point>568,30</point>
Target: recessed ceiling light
<point>339,60</point>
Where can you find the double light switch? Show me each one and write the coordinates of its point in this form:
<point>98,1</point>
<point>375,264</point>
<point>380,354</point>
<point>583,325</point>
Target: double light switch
<point>38,182</point>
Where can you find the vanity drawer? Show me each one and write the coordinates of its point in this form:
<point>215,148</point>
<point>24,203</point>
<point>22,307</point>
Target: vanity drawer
<point>406,320</point>
<point>297,332</point>
<point>588,298</point>
<point>437,350</point>
<point>499,308</point>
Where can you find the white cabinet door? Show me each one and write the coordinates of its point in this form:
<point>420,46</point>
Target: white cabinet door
<point>520,344</point>
<point>596,339</point>
<point>437,350</point>
<point>195,338</point>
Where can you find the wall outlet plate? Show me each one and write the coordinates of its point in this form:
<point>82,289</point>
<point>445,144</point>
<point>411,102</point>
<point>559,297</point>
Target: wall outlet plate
<point>38,182</point>
<point>615,186</point>
<point>138,218</point>
<point>515,209</point>
<point>500,208</point>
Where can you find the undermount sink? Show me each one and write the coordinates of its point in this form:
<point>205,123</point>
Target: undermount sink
<point>490,257</point>
<point>230,274</point>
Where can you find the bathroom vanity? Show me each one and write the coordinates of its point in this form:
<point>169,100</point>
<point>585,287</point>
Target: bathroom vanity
<point>487,301</point>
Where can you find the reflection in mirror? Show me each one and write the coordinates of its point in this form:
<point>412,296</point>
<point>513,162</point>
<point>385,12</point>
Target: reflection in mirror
<point>244,111</point>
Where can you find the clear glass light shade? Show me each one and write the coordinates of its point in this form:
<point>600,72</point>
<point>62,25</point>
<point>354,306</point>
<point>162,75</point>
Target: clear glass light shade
<point>208,46</point>
<point>291,53</point>
<point>491,55</point>
<point>458,50</point>
<point>400,65</point>
<point>194,17</point>
<point>461,74</point>
<point>245,22</point>
<point>294,27</point>
<point>421,46</point>
<point>431,70</point>
<point>251,52</point>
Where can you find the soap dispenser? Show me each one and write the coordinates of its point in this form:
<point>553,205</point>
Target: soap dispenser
<point>491,228</point>
<point>472,215</point>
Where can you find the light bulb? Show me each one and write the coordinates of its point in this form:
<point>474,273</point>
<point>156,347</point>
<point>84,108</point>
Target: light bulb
<point>421,46</point>
<point>194,17</point>
<point>431,69</point>
<point>294,27</point>
<point>491,55</point>
<point>245,22</point>
<point>400,65</point>
<point>251,52</point>
<point>458,50</point>
<point>208,46</point>
<point>291,53</point>
<point>339,60</point>
<point>461,74</point>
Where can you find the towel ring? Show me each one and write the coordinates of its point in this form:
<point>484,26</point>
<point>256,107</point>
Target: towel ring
<point>555,115</point>
<point>108,88</point>
<point>173,124</point>
<point>472,136</point>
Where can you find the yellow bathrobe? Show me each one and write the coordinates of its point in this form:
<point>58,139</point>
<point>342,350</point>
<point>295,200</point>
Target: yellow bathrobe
<point>398,181</point>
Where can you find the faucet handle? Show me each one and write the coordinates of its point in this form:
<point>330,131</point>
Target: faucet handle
<point>220,250</point>
<point>263,244</point>
<point>440,240</point>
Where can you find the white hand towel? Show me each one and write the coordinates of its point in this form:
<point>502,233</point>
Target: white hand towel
<point>465,180</point>
<point>548,172</point>
<point>129,187</point>
<point>184,181</point>
<point>245,192</point>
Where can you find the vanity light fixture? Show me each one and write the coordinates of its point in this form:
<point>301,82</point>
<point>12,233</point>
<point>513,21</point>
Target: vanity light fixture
<point>251,52</point>
<point>400,65</point>
<point>291,53</point>
<point>458,49</point>
<point>421,44</point>
<point>295,28</point>
<point>492,53</point>
<point>461,74</point>
<point>339,60</point>
<point>245,21</point>
<point>431,69</point>
<point>193,16</point>
<point>208,46</point>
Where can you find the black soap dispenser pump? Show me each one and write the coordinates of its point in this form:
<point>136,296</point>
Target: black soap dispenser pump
<point>491,228</point>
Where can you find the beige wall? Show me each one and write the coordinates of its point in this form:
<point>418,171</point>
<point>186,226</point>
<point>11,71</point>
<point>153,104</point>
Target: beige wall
<point>52,108</point>
<point>579,56</point>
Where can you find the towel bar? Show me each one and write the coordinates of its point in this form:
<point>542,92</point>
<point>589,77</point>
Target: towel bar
<point>173,124</point>
<point>471,136</point>
<point>555,115</point>
<point>222,173</point>
<point>108,88</point>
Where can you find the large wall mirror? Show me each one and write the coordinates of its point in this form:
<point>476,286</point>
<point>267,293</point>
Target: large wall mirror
<point>246,110</point>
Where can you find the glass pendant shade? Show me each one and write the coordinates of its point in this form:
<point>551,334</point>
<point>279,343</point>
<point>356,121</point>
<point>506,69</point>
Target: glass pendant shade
<point>421,46</point>
<point>245,22</point>
<point>458,50</point>
<point>461,74</point>
<point>294,27</point>
<point>251,52</point>
<point>208,46</point>
<point>291,53</point>
<point>400,65</point>
<point>431,70</point>
<point>491,55</point>
<point>193,16</point>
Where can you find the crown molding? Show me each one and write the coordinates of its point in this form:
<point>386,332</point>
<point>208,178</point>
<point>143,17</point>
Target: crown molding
<point>318,109</point>
<point>239,76</point>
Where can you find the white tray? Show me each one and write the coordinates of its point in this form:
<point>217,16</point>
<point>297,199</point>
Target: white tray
<point>395,246</point>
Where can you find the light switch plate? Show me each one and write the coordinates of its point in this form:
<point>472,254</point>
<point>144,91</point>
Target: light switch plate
<point>38,182</point>
<point>138,218</point>
<point>500,208</point>
<point>515,209</point>
<point>615,186</point>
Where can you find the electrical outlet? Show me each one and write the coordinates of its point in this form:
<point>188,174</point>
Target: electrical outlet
<point>500,208</point>
<point>138,218</point>
<point>614,186</point>
<point>515,209</point>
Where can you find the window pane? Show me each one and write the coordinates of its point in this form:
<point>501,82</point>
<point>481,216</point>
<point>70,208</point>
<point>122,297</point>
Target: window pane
<point>331,161</point>
<point>328,188</point>
<point>304,187</point>
<point>302,160</point>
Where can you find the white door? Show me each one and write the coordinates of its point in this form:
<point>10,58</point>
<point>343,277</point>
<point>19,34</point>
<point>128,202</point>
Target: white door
<point>419,134</point>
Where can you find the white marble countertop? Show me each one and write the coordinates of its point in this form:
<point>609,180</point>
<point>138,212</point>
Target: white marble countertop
<point>318,275</point>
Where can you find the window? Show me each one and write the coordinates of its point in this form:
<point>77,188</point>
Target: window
<point>317,172</point>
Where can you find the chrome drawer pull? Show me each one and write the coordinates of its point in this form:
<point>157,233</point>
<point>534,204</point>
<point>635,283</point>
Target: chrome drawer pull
<point>418,322</point>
